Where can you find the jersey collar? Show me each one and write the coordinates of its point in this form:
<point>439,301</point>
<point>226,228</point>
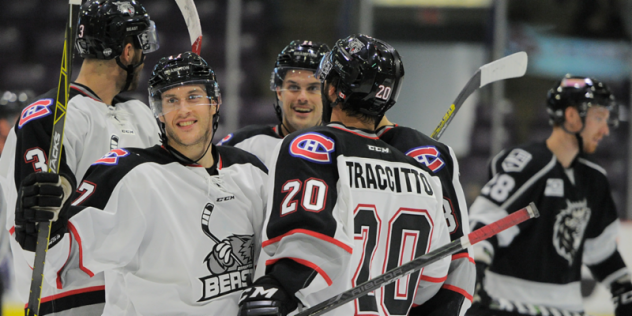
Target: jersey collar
<point>352,130</point>
<point>380,131</point>
<point>85,91</point>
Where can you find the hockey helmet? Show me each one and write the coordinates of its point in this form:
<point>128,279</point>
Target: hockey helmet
<point>582,93</point>
<point>104,25</point>
<point>369,75</point>
<point>299,55</point>
<point>185,69</point>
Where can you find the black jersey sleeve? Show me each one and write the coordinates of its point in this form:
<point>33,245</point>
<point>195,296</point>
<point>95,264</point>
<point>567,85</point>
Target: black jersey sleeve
<point>34,136</point>
<point>301,234</point>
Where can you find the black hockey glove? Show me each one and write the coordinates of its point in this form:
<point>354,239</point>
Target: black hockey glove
<point>266,297</point>
<point>40,200</point>
<point>481,301</point>
<point>622,298</point>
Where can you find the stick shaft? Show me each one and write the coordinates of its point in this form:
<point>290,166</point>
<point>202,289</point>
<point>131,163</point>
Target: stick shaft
<point>422,261</point>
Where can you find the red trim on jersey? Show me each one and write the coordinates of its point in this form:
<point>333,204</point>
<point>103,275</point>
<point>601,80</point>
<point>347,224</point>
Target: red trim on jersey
<point>320,236</point>
<point>433,280</point>
<point>306,263</point>
<point>69,293</point>
<point>219,163</point>
<point>458,290</point>
<point>12,230</point>
<point>74,232</point>
<point>84,93</point>
<point>352,132</point>
<point>462,255</point>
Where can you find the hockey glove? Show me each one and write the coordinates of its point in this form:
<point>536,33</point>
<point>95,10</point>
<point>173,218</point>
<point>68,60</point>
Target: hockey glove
<point>40,199</point>
<point>622,298</point>
<point>266,297</point>
<point>481,300</point>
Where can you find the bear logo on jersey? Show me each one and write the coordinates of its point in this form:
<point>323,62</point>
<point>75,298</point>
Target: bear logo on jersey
<point>37,109</point>
<point>112,157</point>
<point>568,230</point>
<point>429,156</point>
<point>230,261</point>
<point>313,147</point>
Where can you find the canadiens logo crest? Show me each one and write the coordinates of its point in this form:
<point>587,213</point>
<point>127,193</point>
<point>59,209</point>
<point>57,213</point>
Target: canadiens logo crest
<point>37,109</point>
<point>125,7</point>
<point>230,261</point>
<point>225,139</point>
<point>313,147</point>
<point>569,229</point>
<point>112,157</point>
<point>429,156</point>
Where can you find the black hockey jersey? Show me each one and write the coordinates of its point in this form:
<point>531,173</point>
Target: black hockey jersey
<point>346,207</point>
<point>258,140</point>
<point>171,239</point>
<point>457,292</point>
<point>537,264</point>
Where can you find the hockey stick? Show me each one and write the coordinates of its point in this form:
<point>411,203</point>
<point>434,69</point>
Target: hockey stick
<point>54,157</point>
<point>511,66</point>
<point>192,19</point>
<point>371,285</point>
<point>206,216</point>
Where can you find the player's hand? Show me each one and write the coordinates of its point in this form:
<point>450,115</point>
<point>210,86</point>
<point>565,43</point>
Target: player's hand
<point>41,198</point>
<point>222,253</point>
<point>481,300</point>
<point>266,297</point>
<point>622,298</point>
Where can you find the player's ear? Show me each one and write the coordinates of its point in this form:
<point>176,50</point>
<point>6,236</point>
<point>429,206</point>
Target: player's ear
<point>571,117</point>
<point>127,56</point>
<point>278,92</point>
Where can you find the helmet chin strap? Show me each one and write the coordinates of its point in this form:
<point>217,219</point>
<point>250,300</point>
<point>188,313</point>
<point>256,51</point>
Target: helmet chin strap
<point>130,71</point>
<point>578,136</point>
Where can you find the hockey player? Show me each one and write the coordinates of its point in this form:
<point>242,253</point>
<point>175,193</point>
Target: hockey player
<point>456,295</point>
<point>346,206</point>
<point>112,38</point>
<point>298,99</point>
<point>175,227</point>
<point>535,268</point>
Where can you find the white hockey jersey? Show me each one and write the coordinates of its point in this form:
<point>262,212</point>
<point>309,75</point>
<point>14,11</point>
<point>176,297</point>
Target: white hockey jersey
<point>92,129</point>
<point>258,140</point>
<point>347,207</point>
<point>160,230</point>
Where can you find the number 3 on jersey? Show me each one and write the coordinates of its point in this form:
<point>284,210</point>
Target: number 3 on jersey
<point>499,186</point>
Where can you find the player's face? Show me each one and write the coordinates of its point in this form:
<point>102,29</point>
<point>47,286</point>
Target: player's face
<point>596,128</point>
<point>300,99</point>
<point>189,118</point>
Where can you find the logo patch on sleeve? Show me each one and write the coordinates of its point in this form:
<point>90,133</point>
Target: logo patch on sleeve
<point>554,187</point>
<point>225,139</point>
<point>112,157</point>
<point>429,156</point>
<point>37,109</point>
<point>516,160</point>
<point>313,147</point>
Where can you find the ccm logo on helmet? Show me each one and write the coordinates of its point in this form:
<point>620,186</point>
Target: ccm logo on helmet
<point>313,147</point>
<point>427,155</point>
<point>112,157</point>
<point>36,110</point>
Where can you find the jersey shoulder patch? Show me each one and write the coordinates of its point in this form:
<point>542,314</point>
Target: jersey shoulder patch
<point>312,146</point>
<point>112,158</point>
<point>516,160</point>
<point>36,110</point>
<point>247,132</point>
<point>429,156</point>
<point>232,155</point>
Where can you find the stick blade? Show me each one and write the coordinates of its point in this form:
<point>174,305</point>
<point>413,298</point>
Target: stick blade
<point>512,66</point>
<point>192,19</point>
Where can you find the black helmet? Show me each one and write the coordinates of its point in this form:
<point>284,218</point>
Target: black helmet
<point>369,71</point>
<point>184,69</point>
<point>105,24</point>
<point>299,54</point>
<point>582,93</point>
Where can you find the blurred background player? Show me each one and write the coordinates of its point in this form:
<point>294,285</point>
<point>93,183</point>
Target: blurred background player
<point>346,206</point>
<point>298,99</point>
<point>456,295</point>
<point>175,227</point>
<point>536,266</point>
<point>112,38</point>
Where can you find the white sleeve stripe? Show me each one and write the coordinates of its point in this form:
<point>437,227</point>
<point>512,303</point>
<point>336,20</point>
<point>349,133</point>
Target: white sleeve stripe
<point>530,182</point>
<point>494,160</point>
<point>600,248</point>
<point>460,196</point>
<point>593,165</point>
<point>615,276</point>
